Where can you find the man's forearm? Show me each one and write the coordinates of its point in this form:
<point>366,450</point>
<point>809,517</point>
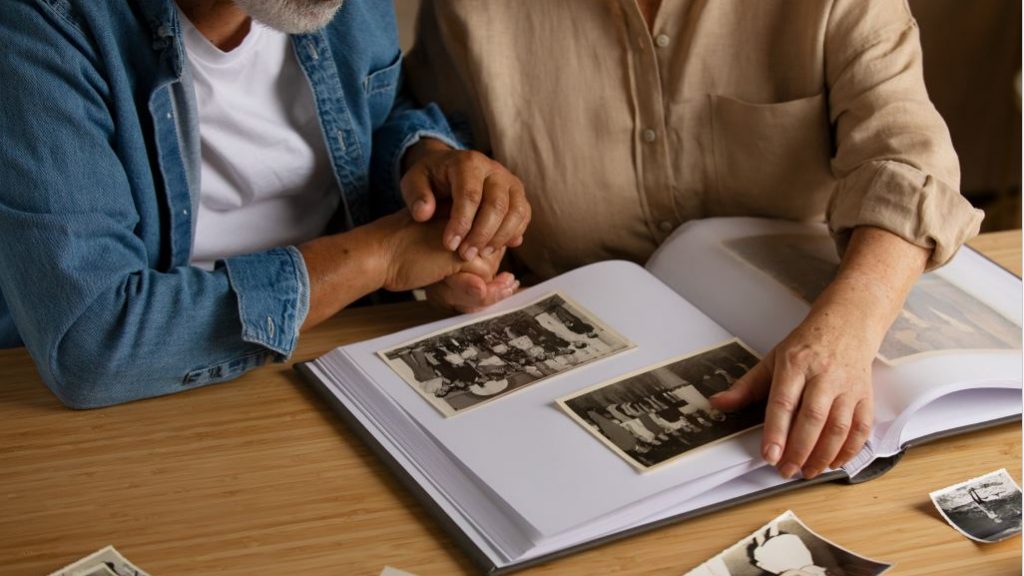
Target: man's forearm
<point>342,268</point>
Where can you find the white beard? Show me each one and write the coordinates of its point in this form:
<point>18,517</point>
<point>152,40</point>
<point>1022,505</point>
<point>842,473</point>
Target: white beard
<point>291,16</point>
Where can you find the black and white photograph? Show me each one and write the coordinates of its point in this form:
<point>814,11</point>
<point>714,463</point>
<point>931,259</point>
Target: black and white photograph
<point>938,316</point>
<point>659,414</point>
<point>469,365</point>
<point>985,509</point>
<point>787,547</point>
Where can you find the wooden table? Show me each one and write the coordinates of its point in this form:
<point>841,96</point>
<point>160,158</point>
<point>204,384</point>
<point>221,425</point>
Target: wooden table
<point>257,476</point>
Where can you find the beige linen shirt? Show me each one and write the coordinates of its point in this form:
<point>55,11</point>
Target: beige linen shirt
<point>796,109</point>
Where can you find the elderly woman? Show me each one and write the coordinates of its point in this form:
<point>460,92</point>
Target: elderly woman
<point>626,118</point>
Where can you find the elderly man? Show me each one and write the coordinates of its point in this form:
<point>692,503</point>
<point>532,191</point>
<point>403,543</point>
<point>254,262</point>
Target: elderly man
<point>626,118</point>
<point>168,173</point>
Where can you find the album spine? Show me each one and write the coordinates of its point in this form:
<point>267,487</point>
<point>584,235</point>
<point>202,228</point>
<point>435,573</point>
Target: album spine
<point>880,465</point>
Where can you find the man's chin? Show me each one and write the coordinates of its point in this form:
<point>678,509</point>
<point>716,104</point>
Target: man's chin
<point>292,16</point>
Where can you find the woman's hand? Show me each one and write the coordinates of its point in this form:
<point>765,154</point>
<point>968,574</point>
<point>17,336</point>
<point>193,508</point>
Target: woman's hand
<point>817,381</point>
<point>818,385</point>
<point>489,210</point>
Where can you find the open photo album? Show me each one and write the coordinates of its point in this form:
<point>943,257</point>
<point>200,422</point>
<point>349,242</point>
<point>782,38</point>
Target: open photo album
<point>577,412</point>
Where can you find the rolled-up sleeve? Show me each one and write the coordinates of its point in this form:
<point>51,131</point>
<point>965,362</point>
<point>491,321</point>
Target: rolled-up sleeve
<point>894,159</point>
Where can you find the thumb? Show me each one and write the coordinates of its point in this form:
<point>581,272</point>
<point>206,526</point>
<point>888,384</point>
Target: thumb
<point>753,386</point>
<point>418,194</point>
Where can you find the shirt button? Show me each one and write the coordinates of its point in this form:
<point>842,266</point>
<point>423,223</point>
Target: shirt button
<point>661,40</point>
<point>665,226</point>
<point>649,135</point>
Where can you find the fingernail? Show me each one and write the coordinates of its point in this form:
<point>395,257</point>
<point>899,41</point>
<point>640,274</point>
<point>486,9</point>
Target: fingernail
<point>515,286</point>
<point>453,244</point>
<point>511,281</point>
<point>419,205</point>
<point>789,470</point>
<point>772,453</point>
<point>470,253</point>
<point>487,252</point>
<point>811,473</point>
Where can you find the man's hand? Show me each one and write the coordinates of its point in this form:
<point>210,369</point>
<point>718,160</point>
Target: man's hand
<point>477,286</point>
<point>818,380</point>
<point>393,252</point>
<point>489,210</point>
<point>412,254</point>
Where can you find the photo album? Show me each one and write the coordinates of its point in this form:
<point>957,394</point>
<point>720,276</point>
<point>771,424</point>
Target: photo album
<point>576,411</point>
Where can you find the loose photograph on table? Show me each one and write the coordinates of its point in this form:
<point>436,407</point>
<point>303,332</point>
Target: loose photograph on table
<point>938,316</point>
<point>659,414</point>
<point>787,547</point>
<point>985,509</point>
<point>469,365</point>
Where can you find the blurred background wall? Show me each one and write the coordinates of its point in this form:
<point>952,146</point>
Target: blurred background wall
<point>972,58</point>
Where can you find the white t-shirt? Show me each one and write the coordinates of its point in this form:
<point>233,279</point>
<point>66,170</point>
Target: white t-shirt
<point>266,177</point>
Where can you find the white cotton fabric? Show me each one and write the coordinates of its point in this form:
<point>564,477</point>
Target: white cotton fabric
<point>266,176</point>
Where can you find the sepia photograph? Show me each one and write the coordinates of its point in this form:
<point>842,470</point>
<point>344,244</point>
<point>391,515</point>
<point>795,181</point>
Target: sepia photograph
<point>469,365</point>
<point>937,317</point>
<point>787,547</point>
<point>658,415</point>
<point>985,509</point>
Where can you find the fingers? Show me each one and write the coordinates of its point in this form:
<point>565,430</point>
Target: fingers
<point>485,267</point>
<point>488,222</point>
<point>489,216</point>
<point>466,178</point>
<point>466,292</point>
<point>418,194</point>
<point>860,431</point>
<point>833,437</point>
<point>783,399</point>
<point>815,409</point>
<point>751,387</point>
<point>513,226</point>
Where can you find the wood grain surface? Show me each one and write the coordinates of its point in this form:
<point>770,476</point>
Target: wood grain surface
<point>256,476</point>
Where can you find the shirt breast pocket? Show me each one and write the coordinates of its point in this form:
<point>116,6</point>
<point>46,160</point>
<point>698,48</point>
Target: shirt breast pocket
<point>772,159</point>
<point>380,87</point>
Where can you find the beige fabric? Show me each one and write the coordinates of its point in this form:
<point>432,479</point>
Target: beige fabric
<point>787,108</point>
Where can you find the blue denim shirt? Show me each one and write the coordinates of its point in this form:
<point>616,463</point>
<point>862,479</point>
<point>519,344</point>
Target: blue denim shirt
<point>99,182</point>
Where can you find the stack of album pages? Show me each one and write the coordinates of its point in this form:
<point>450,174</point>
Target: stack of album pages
<point>576,411</point>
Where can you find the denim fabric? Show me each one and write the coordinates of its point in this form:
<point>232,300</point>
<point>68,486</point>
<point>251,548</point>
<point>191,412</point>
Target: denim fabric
<point>99,180</point>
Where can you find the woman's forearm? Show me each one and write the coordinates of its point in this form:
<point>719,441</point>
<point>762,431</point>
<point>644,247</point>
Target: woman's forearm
<point>817,382</point>
<point>875,277</point>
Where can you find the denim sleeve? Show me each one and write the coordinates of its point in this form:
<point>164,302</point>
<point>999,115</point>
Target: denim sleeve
<point>404,127</point>
<point>102,321</point>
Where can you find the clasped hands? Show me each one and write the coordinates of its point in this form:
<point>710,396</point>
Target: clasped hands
<point>464,210</point>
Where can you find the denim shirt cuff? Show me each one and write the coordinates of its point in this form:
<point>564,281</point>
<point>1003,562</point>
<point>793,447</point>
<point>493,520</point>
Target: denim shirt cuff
<point>413,139</point>
<point>272,288</point>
